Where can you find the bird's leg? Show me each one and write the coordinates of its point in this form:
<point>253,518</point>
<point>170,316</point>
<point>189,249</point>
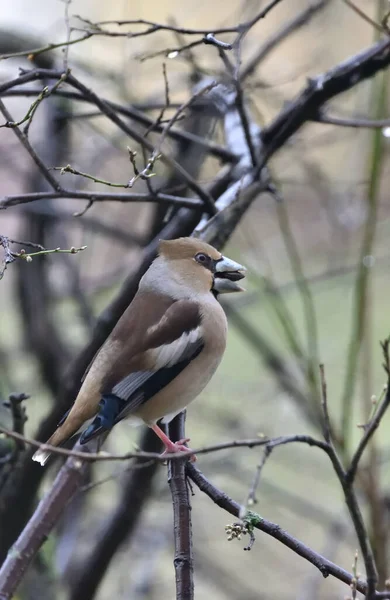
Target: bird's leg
<point>171,447</point>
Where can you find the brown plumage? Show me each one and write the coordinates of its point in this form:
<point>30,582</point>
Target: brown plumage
<point>163,350</point>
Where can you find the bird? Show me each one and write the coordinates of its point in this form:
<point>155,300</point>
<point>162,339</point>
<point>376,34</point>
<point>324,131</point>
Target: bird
<point>163,350</point>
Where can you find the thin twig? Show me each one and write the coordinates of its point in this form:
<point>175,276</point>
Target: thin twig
<point>110,114</point>
<point>34,52</point>
<point>166,158</point>
<point>341,78</point>
<point>10,256</point>
<point>157,152</point>
<point>105,456</point>
<point>65,49</point>
<point>280,35</point>
<point>379,27</point>
<point>358,522</point>
<point>374,423</point>
<point>356,122</point>
<point>251,498</point>
<point>153,26</point>
<point>93,196</point>
<point>306,298</point>
<point>324,403</point>
<point>73,171</point>
<point>360,309</point>
<point>25,142</point>
<point>224,154</point>
<point>48,92</point>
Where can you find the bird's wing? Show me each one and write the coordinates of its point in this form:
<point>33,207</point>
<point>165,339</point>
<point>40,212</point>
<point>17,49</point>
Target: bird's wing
<point>167,347</point>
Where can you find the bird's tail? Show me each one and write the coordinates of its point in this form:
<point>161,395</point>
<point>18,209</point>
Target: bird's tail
<point>63,433</point>
<point>41,456</point>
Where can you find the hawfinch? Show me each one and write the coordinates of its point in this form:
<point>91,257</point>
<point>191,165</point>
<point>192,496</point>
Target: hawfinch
<point>164,349</point>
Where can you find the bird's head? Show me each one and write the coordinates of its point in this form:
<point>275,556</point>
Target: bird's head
<point>201,266</point>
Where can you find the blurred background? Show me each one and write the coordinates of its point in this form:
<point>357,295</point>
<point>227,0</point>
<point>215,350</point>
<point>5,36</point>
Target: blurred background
<point>316,291</point>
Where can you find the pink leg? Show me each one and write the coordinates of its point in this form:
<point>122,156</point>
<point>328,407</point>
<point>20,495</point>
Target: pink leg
<point>171,447</point>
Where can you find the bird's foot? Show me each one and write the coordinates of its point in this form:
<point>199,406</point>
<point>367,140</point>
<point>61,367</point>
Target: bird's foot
<point>172,447</point>
<point>179,446</point>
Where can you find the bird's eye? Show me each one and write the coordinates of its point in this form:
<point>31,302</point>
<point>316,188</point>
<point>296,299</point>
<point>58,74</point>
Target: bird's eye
<point>201,258</point>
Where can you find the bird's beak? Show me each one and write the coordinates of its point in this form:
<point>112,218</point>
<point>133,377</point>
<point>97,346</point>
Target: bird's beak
<point>227,274</point>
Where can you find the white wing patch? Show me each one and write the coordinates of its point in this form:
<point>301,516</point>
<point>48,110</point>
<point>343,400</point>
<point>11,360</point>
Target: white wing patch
<point>170,354</point>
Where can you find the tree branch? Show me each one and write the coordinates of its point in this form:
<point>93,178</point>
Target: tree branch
<point>374,423</point>
<point>106,456</point>
<point>182,526</point>
<point>281,34</point>
<point>110,113</point>
<point>132,112</point>
<point>319,90</point>
<point>326,567</point>
<point>93,196</point>
<point>25,142</point>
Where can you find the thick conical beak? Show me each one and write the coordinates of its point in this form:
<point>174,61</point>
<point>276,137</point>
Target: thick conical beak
<point>227,274</point>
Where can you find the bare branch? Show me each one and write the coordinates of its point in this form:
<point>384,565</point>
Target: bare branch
<point>251,498</point>
<point>11,256</point>
<point>182,526</point>
<point>171,162</point>
<point>65,49</point>
<point>319,90</point>
<point>324,402</point>
<point>379,27</point>
<point>25,142</point>
<point>111,114</point>
<point>374,423</point>
<point>105,456</point>
<point>131,112</point>
<point>93,196</point>
<point>358,522</point>
<point>325,566</point>
<point>283,33</point>
<point>34,52</point>
<point>152,26</point>
<point>351,121</point>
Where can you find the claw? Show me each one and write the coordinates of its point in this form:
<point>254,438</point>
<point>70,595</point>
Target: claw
<point>172,447</point>
<point>179,446</point>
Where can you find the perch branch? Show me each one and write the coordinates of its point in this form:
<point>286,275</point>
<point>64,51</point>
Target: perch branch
<point>177,479</point>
